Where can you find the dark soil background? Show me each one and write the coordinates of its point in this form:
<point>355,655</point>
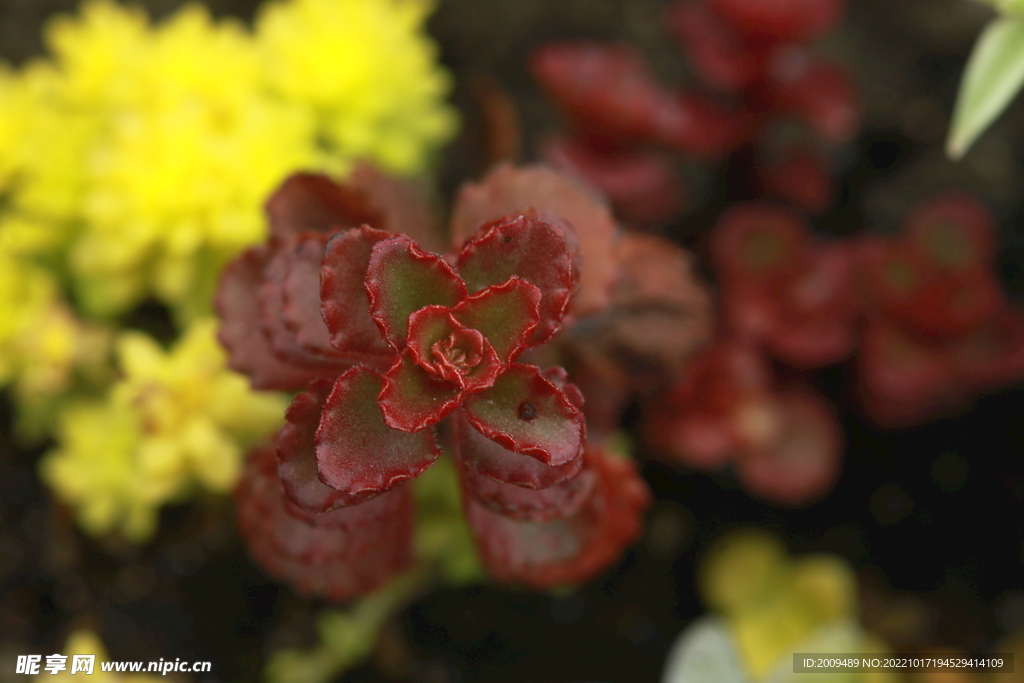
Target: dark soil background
<point>930,517</point>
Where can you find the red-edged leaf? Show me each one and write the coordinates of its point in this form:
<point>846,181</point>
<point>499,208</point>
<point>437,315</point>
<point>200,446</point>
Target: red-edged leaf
<point>529,248</point>
<point>564,551</point>
<point>428,326</point>
<point>553,502</point>
<point>345,305</point>
<point>401,279</point>
<point>479,454</point>
<point>412,399</point>
<point>312,202</point>
<point>587,223</point>
<point>528,414</point>
<point>300,296</point>
<point>241,331</point>
<point>296,452</point>
<point>505,314</point>
<point>335,555</point>
<point>558,376</point>
<point>272,306</point>
<point>357,452</point>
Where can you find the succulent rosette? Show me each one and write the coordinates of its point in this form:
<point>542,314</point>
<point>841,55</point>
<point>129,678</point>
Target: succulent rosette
<point>626,128</point>
<point>939,327</point>
<point>784,443</point>
<point>783,289</point>
<point>384,340</point>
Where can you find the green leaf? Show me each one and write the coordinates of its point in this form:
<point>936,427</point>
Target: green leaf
<point>357,452</point>
<point>524,412</point>
<point>1008,6</point>
<point>506,314</point>
<point>346,635</point>
<point>994,74</point>
<point>402,279</point>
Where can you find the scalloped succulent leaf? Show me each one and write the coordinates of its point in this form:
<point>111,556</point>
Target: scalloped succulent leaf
<point>532,249</point>
<point>528,414</point>
<point>272,306</point>
<point>241,331</point>
<point>357,452</point>
<point>553,502</point>
<point>401,279</point>
<point>450,351</point>
<point>312,202</point>
<point>412,399</point>
<point>479,454</point>
<point>296,452</point>
<point>506,314</point>
<point>585,219</point>
<point>345,305</point>
<point>335,555</point>
<point>569,550</point>
<point>301,295</point>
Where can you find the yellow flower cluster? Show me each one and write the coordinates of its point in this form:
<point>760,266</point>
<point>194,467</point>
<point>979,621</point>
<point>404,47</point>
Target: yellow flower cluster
<point>175,419</point>
<point>774,605</point>
<point>142,154</point>
<point>44,349</point>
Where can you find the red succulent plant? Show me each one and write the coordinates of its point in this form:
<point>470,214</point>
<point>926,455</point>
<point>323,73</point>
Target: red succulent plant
<point>623,121</point>
<point>385,340</point>
<point>785,444</point>
<point>781,288</point>
<point>939,328</point>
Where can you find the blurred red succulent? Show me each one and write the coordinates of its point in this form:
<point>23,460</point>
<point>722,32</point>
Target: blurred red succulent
<point>940,328</point>
<point>782,289</point>
<point>622,120</point>
<point>785,445</point>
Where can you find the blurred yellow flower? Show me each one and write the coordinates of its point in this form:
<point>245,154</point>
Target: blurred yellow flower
<point>144,153</point>
<point>44,349</point>
<point>383,103</point>
<point>774,604</point>
<point>177,418</point>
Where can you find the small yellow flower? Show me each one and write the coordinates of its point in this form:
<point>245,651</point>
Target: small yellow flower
<point>176,419</point>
